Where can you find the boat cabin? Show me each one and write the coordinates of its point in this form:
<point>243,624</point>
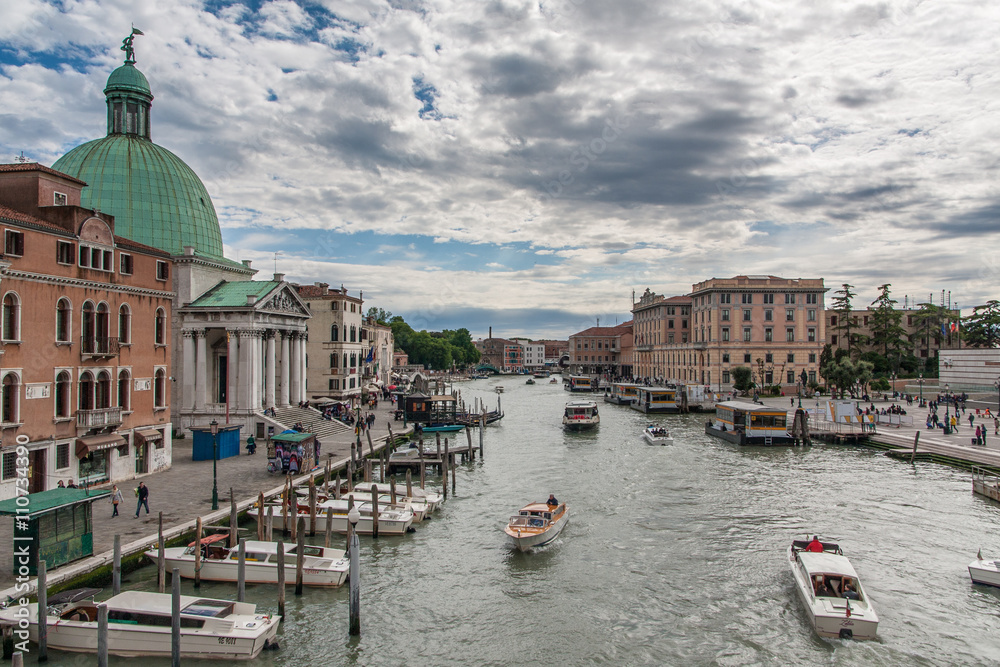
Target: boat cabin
<point>580,383</point>
<point>622,393</point>
<point>425,409</point>
<point>749,424</point>
<point>581,409</point>
<point>537,515</point>
<point>656,399</point>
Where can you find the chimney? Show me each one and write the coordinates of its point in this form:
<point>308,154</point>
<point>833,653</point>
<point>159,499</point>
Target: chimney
<point>251,299</point>
<point>279,277</point>
<point>246,263</point>
<point>491,332</point>
<point>189,250</point>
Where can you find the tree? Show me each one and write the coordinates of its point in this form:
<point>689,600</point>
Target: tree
<point>929,321</point>
<point>741,379</point>
<point>842,306</point>
<point>380,315</point>
<point>886,330</point>
<point>848,375</point>
<point>982,328</point>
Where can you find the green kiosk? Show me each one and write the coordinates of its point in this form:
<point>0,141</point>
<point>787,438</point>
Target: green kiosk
<point>56,526</point>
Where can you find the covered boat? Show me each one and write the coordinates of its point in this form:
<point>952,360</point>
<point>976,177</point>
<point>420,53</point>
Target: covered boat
<point>580,415</point>
<point>536,524</point>
<point>621,393</point>
<point>390,521</point>
<point>749,424</point>
<point>656,399</point>
<point>657,435</point>
<point>828,586</point>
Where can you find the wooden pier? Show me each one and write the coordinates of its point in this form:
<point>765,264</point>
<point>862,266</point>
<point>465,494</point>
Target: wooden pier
<point>962,456</point>
<point>841,434</point>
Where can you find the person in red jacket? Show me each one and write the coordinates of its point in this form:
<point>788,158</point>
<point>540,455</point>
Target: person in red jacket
<point>815,546</point>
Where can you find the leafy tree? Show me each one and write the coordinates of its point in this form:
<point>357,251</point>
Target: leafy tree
<point>982,328</point>
<point>380,315</point>
<point>439,350</point>
<point>848,375</point>
<point>927,321</point>
<point>886,330</point>
<point>741,379</point>
<point>842,306</point>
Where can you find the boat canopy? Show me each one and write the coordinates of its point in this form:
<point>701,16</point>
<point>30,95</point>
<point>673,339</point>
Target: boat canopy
<point>826,564</point>
<point>754,408</point>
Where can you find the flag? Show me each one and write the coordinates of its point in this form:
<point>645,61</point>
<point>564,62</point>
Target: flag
<point>979,554</point>
<point>944,330</point>
<point>848,608</point>
<point>954,327</point>
<point>136,31</point>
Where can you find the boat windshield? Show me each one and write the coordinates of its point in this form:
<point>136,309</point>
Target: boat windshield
<point>211,608</point>
<point>521,521</point>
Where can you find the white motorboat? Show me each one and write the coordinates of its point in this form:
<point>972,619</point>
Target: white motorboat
<point>139,626</point>
<point>837,604</point>
<point>390,521</point>
<point>325,567</point>
<point>536,525</point>
<point>499,389</point>
<point>432,498</point>
<point>985,571</point>
<point>421,510</point>
<point>580,415</point>
<point>657,435</point>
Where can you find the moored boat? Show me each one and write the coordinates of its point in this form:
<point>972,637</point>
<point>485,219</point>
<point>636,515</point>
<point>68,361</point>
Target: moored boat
<point>828,586</point>
<point>390,521</point>
<point>432,498</point>
<point>580,415</point>
<point>749,424</point>
<point>323,566</point>
<point>985,571</point>
<point>657,435</point>
<point>536,525</point>
<point>656,399</point>
<point>139,627</point>
<point>621,393</point>
<point>442,428</point>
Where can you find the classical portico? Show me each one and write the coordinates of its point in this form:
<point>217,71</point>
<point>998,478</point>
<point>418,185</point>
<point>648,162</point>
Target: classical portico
<point>243,351</point>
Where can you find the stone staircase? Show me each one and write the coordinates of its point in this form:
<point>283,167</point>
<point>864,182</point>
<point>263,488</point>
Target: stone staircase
<point>311,419</point>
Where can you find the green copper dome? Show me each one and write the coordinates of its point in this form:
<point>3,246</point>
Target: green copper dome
<point>155,197</point>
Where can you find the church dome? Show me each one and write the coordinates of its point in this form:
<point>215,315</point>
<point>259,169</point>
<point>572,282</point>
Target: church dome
<point>155,197</point>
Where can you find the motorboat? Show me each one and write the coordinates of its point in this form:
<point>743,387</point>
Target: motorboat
<point>432,498</point>
<point>580,415</point>
<point>323,566</point>
<point>139,626</point>
<point>499,389</point>
<point>554,381</point>
<point>985,571</point>
<point>529,381</point>
<point>390,521</point>
<point>421,509</point>
<point>657,435</point>
<point>535,525</point>
<point>442,428</point>
<point>831,591</point>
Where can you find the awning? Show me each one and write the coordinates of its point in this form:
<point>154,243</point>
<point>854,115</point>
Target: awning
<point>148,434</point>
<point>96,443</point>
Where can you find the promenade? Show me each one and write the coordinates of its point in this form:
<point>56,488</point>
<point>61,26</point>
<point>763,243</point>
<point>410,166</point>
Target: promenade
<point>184,492</point>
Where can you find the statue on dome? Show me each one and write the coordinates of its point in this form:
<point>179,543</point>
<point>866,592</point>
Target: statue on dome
<point>127,46</point>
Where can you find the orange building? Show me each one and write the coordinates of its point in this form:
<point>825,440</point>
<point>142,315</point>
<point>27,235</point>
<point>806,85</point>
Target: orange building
<point>85,329</point>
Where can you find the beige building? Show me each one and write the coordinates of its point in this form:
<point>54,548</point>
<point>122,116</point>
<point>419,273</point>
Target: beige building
<point>925,341</point>
<point>335,349</point>
<point>379,357</point>
<point>662,328</point>
<point>602,351</point>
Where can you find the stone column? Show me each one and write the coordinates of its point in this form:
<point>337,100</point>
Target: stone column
<point>285,367</point>
<point>232,364</point>
<point>269,371</point>
<point>295,369</point>
<point>303,361</point>
<point>200,370</point>
<point>187,380</point>
<point>246,369</point>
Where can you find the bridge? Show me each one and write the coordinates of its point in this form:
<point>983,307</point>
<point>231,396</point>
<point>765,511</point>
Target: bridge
<point>487,367</point>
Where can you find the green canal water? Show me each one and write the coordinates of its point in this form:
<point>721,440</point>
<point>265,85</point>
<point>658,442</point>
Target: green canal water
<point>673,556</point>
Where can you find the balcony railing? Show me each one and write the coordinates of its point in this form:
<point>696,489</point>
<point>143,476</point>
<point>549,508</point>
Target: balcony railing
<point>98,418</point>
<point>101,346</point>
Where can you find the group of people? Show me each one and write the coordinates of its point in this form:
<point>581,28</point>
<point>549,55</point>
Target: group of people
<point>141,494</point>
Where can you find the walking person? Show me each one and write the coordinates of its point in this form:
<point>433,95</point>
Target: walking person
<point>142,492</point>
<point>116,497</point>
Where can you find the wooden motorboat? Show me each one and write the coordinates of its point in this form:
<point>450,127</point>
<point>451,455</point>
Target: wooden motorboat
<point>657,435</point>
<point>580,415</point>
<point>325,567</point>
<point>432,498</point>
<point>985,572</point>
<point>536,525</point>
<point>390,521</point>
<point>139,626</point>
<point>442,428</point>
<point>824,580</point>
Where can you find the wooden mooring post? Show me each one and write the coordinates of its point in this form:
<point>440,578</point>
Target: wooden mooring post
<point>43,612</point>
<point>300,550</point>
<point>197,554</point>
<point>161,561</point>
<point>175,617</point>
<point>102,634</point>
<point>233,520</point>
<point>116,566</point>
<point>336,488</point>
<point>916,439</point>
<point>374,511</point>
<point>241,572</point>
<point>270,522</point>
<point>260,516</point>
<point>312,508</point>
<point>281,579</point>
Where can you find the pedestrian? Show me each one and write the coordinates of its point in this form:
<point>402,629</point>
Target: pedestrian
<point>971,417</point>
<point>954,424</point>
<point>61,484</point>
<point>142,492</point>
<point>116,497</point>
<point>996,426</point>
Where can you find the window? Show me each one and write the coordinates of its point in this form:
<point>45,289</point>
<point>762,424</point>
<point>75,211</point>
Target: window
<point>768,315</point>
<point>768,335</point>
<point>160,388</point>
<point>811,335</point>
<point>791,377</point>
<point>86,391</point>
<point>791,357</point>
<point>9,465</point>
<point>11,391</point>
<point>746,298</point>
<point>124,390</point>
<point>13,243</point>
<point>670,324</point>
<point>811,299</point>
<point>354,333</point>
<point>59,199</point>
<point>670,338</point>
<point>833,340</point>
<point>725,298</point>
<point>124,324</point>
<point>725,376</point>
<point>354,360</point>
<point>333,360</point>
<point>746,314</point>
<point>746,358</point>
<point>64,321</point>
<point>62,398</point>
<point>126,264</point>
<point>833,320</point>
<point>103,394</point>
<point>11,317</point>
<point>334,334</point>
<point>768,298</point>
<point>789,335</point>
<point>725,314</point>
<point>162,270</point>
<point>768,358</point>
<point>812,376</point>
<point>790,315</point>
<point>160,328</point>
<point>62,456</point>
<point>334,384</point>
<point>789,297</point>
<point>65,252</point>
<point>812,357</point>
<point>84,257</point>
<point>811,314</point>
<point>746,334</point>
<point>725,358</point>
<point>334,305</point>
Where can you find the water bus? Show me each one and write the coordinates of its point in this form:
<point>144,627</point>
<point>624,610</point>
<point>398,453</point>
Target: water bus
<point>580,383</point>
<point>657,399</point>
<point>621,393</point>
<point>749,424</point>
<point>580,415</point>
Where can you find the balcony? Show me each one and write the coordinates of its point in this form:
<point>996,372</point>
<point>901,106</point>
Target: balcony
<point>99,418</point>
<point>101,346</point>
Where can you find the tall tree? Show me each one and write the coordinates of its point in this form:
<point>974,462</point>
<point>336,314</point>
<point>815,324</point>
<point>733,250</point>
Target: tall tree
<point>927,322</point>
<point>380,315</point>
<point>886,330</point>
<point>842,306</point>
<point>982,328</point>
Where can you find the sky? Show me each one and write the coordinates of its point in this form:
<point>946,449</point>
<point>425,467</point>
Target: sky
<point>528,166</point>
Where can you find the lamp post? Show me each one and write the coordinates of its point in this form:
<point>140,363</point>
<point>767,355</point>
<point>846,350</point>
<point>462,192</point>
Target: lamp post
<point>947,421</point>
<point>353,516</point>
<point>920,381</point>
<point>215,464</point>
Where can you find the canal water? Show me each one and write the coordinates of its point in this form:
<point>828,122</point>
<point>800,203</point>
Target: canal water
<point>674,555</point>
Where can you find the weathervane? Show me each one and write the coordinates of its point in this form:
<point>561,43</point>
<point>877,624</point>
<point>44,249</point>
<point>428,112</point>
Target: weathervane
<point>127,46</point>
<point>20,158</point>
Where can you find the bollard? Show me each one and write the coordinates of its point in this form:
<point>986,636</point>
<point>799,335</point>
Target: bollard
<point>116,566</point>
<point>383,462</point>
<point>423,474</point>
<point>454,471</point>
<point>312,508</point>
<point>326,479</point>
<point>161,561</point>
<point>355,576</point>
<point>444,478</point>
<point>241,573</point>
<point>175,618</point>
<point>281,580</point>
<point>468,437</point>
<point>102,635</point>
<point>284,509</point>
<point>409,483</point>
<point>350,528</point>
<point>43,613</point>
<point>482,427</point>
<point>438,440</point>
<point>234,521</point>
<point>260,516</point>
<point>300,549</point>
<point>197,553</point>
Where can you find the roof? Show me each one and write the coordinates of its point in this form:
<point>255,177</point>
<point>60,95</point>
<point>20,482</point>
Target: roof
<point>17,216</point>
<point>234,294</point>
<point>128,78</point>
<point>824,563</point>
<point>35,166</point>
<point>616,330</point>
<point>46,501</point>
<point>679,299</point>
<point>292,437</point>
<point>748,407</point>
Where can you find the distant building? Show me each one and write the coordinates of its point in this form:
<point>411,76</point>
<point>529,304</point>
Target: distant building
<point>599,350</point>
<point>662,328</point>
<point>400,358</point>
<point>533,353</point>
<point>379,358</point>
<point>335,348</point>
<point>555,350</point>
<point>924,341</point>
<point>507,356</point>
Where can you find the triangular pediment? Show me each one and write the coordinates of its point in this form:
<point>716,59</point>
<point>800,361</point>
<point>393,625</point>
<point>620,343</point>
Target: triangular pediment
<point>283,300</point>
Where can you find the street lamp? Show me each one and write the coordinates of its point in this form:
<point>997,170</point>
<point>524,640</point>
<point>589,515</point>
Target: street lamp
<point>353,516</point>
<point>920,381</point>
<point>215,464</point>
<point>947,421</point>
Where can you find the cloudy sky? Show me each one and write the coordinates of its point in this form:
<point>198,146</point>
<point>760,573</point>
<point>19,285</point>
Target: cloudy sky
<point>527,165</point>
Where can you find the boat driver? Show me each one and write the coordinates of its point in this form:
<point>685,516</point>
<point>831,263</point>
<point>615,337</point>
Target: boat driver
<point>815,546</point>
<point>552,502</point>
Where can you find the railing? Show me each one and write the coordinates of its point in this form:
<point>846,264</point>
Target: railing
<point>98,418</point>
<point>101,346</point>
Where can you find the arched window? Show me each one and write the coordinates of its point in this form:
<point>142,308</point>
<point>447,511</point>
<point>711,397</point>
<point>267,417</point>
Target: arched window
<point>87,324</point>
<point>62,394</point>
<point>124,324</point>
<point>64,320</point>
<point>334,332</point>
<point>333,360</point>
<point>159,388</point>
<point>11,390</point>
<point>354,360</point>
<point>160,328</point>
<point>345,360</point>
<point>102,327</point>
<point>124,395</point>
<point>354,333</point>
<point>11,317</point>
<point>87,391</point>
<point>103,394</point>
